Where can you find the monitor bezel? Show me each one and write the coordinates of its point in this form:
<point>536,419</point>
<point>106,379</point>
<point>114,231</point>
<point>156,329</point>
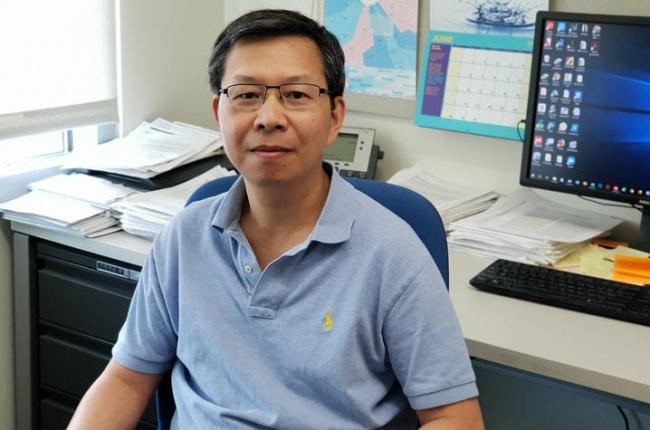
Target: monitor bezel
<point>524,172</point>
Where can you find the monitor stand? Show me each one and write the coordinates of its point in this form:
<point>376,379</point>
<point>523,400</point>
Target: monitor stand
<point>642,241</point>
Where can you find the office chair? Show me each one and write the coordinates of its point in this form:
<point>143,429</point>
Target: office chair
<point>417,211</point>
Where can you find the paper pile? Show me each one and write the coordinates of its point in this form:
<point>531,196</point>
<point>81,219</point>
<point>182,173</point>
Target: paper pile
<point>76,204</point>
<point>145,214</point>
<point>150,149</point>
<point>527,228</point>
<point>452,201</point>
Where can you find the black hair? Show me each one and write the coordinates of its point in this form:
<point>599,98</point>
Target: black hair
<point>278,22</point>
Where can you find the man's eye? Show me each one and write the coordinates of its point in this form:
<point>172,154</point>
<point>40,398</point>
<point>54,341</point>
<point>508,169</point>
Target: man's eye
<point>296,95</point>
<point>247,96</point>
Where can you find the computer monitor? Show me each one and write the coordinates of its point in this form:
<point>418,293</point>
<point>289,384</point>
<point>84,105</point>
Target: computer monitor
<point>588,118</point>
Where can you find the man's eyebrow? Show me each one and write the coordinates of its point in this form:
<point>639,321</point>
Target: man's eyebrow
<point>246,79</point>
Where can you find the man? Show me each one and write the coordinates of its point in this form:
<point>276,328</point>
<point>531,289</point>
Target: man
<point>293,300</point>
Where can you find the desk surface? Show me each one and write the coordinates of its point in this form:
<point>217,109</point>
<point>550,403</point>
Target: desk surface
<point>591,351</point>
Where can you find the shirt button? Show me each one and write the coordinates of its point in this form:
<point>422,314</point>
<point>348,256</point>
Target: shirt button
<point>248,269</point>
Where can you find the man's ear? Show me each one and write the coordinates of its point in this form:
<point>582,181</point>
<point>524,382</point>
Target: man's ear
<point>215,108</point>
<point>337,117</point>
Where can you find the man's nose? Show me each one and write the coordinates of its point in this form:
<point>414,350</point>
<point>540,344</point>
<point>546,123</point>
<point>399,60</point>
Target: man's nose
<point>272,114</point>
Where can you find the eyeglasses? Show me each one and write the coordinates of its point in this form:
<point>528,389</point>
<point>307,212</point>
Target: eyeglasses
<point>251,97</point>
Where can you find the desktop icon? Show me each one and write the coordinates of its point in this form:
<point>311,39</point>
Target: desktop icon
<point>557,61</point>
<point>584,28</point>
<point>615,188</point>
<point>537,156</point>
<point>569,45</point>
<point>581,62</point>
<point>547,58</point>
<point>584,183</point>
<point>575,128</point>
<point>539,125</point>
<point>595,47</point>
<point>596,30</point>
<point>623,189</point>
<point>579,78</point>
<point>576,111</point>
<point>631,190</point>
<point>543,91</point>
<point>548,158</point>
<point>568,78</point>
<point>569,61</point>
<point>550,126</point>
<point>541,108</point>
<point>577,96</point>
<point>554,179</point>
<point>544,77</point>
<point>548,42</point>
<point>550,25</point>
<point>583,45</point>
<point>569,181</point>
<point>562,127</point>
<point>559,44</point>
<point>555,93</point>
<point>566,94</point>
<point>560,144</point>
<point>558,159</point>
<point>552,109</point>
<point>571,162</point>
<point>600,185</point>
<point>608,187</point>
<point>549,144</point>
<point>573,28</point>
<point>538,140</point>
<point>561,26</point>
<point>557,76</point>
<point>564,110</point>
<point>573,144</point>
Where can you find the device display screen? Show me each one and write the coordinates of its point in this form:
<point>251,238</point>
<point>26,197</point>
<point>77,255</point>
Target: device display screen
<point>342,149</point>
<point>592,108</point>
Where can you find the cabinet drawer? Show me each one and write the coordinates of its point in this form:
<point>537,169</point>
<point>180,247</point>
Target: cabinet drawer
<point>84,306</point>
<point>54,415</point>
<point>71,367</point>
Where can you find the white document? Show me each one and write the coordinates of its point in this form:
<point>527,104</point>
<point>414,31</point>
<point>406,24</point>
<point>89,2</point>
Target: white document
<point>145,214</point>
<point>526,214</point>
<point>452,201</point>
<point>90,189</point>
<point>150,149</point>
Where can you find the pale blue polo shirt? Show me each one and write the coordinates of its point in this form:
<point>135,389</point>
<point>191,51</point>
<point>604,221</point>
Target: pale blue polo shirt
<point>348,330</point>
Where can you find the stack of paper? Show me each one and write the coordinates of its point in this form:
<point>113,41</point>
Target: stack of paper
<point>452,201</point>
<point>59,213</point>
<point>145,214</point>
<point>150,149</point>
<point>77,204</point>
<point>525,227</point>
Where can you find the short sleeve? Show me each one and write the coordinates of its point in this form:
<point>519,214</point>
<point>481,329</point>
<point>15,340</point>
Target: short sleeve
<point>147,340</point>
<point>425,344</point>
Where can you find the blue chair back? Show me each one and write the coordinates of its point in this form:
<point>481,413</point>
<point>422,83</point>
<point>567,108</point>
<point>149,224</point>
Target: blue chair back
<point>417,211</point>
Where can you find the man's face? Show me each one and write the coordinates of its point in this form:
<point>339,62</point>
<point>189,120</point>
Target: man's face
<point>276,143</point>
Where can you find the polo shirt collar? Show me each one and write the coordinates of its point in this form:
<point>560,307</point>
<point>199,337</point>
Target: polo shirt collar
<point>333,226</point>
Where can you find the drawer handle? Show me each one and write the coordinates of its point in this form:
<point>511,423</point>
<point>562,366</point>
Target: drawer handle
<point>114,269</point>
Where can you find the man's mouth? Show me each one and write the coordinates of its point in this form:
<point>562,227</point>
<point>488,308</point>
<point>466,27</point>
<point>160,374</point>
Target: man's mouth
<point>270,152</point>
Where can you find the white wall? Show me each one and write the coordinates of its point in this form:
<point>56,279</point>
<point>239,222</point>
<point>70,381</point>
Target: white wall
<point>163,51</point>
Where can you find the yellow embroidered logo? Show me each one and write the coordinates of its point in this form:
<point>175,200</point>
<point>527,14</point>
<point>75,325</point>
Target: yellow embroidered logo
<point>328,322</point>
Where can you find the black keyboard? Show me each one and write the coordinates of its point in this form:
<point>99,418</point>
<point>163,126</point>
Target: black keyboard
<point>566,290</point>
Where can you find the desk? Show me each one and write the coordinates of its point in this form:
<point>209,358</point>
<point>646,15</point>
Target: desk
<point>593,352</point>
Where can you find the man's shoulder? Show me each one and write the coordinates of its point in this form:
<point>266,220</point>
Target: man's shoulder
<point>380,226</point>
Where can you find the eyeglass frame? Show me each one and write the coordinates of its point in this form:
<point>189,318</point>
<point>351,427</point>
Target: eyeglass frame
<point>321,91</point>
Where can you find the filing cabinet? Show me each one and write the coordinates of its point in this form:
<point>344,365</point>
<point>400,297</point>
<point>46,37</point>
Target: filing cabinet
<point>79,303</point>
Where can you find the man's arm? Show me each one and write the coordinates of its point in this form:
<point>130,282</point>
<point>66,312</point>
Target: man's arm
<point>116,400</point>
<point>463,415</point>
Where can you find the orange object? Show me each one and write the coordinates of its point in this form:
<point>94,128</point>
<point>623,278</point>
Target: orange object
<point>635,270</point>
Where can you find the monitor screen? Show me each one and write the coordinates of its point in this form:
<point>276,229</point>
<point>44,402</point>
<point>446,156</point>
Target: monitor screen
<point>588,119</point>
<point>343,148</point>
